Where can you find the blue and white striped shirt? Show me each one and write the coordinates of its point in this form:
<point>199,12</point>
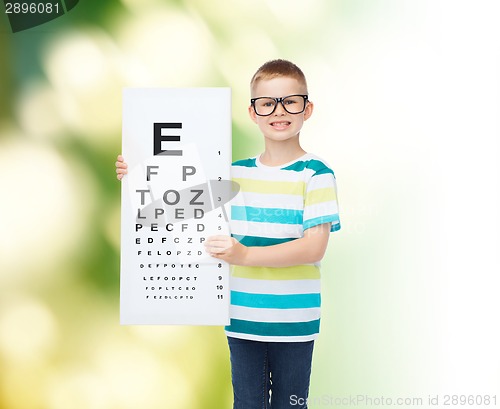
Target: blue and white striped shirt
<point>276,205</point>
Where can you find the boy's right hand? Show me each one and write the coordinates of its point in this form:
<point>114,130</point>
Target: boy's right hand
<point>121,167</point>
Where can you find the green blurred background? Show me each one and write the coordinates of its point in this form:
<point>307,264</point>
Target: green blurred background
<point>406,112</point>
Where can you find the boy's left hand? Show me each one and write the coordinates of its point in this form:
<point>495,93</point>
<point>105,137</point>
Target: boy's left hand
<point>226,248</point>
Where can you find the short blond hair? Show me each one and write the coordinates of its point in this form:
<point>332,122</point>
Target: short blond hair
<point>278,68</point>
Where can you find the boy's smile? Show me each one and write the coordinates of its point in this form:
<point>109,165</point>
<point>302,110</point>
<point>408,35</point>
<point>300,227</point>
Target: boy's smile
<point>280,125</point>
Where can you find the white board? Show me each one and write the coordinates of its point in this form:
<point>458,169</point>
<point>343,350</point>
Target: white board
<point>177,144</point>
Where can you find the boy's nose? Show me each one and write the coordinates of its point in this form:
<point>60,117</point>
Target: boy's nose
<point>280,109</point>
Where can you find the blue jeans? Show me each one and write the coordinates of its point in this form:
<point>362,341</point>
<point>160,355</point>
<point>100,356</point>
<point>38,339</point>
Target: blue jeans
<point>269,375</point>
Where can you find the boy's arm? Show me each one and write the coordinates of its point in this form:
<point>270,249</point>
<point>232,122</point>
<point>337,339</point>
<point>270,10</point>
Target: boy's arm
<point>307,249</point>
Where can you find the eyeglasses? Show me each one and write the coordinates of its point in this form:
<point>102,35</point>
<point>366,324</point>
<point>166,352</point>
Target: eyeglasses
<point>293,104</point>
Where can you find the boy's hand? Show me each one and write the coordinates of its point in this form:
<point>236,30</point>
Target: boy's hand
<point>121,167</point>
<point>226,248</point>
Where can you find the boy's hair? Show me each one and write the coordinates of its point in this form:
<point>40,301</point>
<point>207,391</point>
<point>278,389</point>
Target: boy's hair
<point>278,68</point>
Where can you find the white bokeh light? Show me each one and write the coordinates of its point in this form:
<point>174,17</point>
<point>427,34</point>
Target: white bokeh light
<point>165,48</point>
<point>41,114</point>
<point>84,69</point>
<point>43,211</point>
<point>28,330</point>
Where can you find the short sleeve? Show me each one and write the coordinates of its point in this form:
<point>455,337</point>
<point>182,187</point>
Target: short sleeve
<point>320,202</point>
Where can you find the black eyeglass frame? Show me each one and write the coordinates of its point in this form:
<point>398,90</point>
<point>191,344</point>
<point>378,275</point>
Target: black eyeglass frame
<point>278,100</point>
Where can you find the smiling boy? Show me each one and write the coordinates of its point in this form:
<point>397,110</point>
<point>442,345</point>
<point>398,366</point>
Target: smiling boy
<point>280,230</point>
<point>280,225</point>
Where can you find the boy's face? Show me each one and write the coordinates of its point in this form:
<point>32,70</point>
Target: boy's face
<point>280,125</point>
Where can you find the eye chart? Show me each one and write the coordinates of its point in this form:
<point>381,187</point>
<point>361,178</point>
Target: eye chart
<point>177,144</point>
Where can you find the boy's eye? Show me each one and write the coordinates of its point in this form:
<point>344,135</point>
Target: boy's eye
<point>291,100</point>
<point>266,103</point>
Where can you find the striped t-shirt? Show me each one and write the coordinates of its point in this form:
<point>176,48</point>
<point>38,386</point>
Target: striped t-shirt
<point>276,205</point>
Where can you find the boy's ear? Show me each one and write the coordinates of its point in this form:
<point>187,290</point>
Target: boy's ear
<point>253,115</point>
<point>309,110</point>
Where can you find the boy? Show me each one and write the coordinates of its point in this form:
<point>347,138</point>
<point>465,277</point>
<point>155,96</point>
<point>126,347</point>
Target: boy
<point>279,235</point>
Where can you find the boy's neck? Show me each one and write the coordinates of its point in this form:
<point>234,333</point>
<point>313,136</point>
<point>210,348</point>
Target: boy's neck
<point>279,153</point>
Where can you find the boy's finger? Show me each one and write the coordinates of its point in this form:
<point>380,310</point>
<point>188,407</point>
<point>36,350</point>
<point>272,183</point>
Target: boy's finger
<point>217,246</point>
<point>218,243</point>
<point>218,237</point>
